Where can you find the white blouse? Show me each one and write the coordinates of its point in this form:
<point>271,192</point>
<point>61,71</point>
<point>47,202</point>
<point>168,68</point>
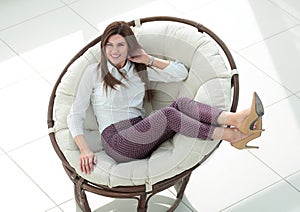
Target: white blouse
<point>124,102</point>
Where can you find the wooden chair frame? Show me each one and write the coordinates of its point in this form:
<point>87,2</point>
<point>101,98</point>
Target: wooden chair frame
<point>139,193</point>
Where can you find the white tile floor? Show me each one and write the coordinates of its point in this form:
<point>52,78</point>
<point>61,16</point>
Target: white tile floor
<point>37,38</point>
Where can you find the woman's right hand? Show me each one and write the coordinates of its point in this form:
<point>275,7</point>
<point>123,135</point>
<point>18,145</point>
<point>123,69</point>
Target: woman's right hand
<point>87,161</point>
<point>87,157</point>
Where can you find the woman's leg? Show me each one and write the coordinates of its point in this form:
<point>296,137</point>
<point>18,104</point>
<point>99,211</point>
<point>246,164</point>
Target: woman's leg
<point>197,110</point>
<point>208,114</point>
<point>135,142</point>
<point>141,139</point>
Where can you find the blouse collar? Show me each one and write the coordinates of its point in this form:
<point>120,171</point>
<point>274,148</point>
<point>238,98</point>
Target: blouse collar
<point>113,70</point>
<point>124,69</point>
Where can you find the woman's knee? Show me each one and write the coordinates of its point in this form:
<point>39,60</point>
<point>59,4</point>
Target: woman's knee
<point>179,101</point>
<point>171,114</point>
<point>183,99</point>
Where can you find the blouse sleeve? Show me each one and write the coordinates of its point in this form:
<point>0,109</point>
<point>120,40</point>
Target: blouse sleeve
<point>82,101</point>
<point>174,72</point>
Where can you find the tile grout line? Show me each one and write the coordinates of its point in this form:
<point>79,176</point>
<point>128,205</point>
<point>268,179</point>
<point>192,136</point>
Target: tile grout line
<point>18,81</point>
<point>76,13</point>
<point>64,202</point>
<point>37,16</point>
<point>182,200</point>
<point>285,179</point>
<point>193,9</point>
<point>265,164</point>
<point>29,19</point>
<point>55,207</point>
<point>278,6</point>
<point>258,68</point>
<point>25,144</point>
<point>25,61</point>
<point>6,153</point>
<point>268,37</point>
<point>67,201</point>
<point>72,2</point>
<point>282,179</point>
<point>297,94</point>
<point>270,168</point>
<point>35,183</point>
<point>251,195</point>
<point>175,8</point>
<point>280,100</point>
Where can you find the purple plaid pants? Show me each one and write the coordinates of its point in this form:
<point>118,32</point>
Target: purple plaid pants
<point>137,138</point>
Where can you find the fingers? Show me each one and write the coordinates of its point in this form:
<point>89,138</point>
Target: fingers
<point>139,59</point>
<point>87,164</point>
<point>139,56</point>
<point>137,52</point>
<point>95,160</point>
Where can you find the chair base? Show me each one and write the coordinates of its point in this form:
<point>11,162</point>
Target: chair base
<point>142,197</point>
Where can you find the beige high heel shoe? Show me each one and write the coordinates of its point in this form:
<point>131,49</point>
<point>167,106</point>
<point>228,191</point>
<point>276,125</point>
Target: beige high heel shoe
<point>242,144</point>
<point>257,111</point>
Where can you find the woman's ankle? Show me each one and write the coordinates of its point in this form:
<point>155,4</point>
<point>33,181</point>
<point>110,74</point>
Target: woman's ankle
<point>221,120</point>
<point>227,118</point>
<point>222,133</point>
<point>231,135</point>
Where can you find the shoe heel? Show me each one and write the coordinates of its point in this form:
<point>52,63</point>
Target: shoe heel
<point>243,143</point>
<point>251,147</point>
<point>243,146</point>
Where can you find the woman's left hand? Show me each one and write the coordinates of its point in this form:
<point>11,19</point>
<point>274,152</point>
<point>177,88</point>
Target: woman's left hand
<point>139,56</point>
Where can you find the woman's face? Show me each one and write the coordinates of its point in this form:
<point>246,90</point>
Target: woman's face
<point>116,50</point>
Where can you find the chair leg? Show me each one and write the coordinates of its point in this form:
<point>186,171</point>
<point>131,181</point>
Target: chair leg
<point>80,197</point>
<point>78,209</point>
<point>180,193</point>
<point>184,183</point>
<point>142,203</point>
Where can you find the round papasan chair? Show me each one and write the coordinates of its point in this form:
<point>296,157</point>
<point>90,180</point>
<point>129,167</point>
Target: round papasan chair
<point>212,79</point>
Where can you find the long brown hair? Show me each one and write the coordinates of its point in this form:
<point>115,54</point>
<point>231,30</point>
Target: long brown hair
<point>123,29</point>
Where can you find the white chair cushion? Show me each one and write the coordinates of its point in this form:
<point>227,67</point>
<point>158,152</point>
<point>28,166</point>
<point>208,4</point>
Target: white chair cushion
<point>209,82</point>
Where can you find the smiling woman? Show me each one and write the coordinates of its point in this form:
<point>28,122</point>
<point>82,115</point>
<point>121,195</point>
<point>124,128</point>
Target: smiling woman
<point>126,144</point>
<point>126,132</point>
